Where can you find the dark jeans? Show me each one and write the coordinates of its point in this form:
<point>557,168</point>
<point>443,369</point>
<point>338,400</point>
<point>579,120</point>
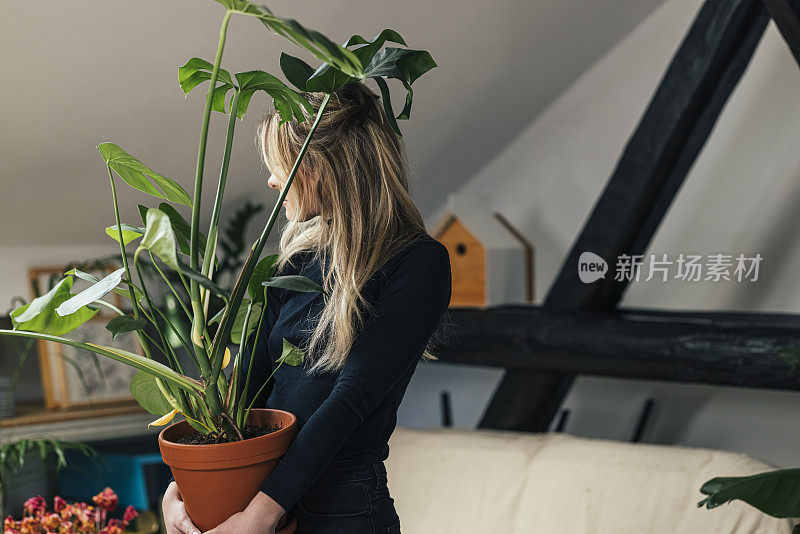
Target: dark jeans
<point>349,498</point>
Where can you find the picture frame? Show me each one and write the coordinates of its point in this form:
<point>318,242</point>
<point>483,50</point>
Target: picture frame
<point>73,377</point>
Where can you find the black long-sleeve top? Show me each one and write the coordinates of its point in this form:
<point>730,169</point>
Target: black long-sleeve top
<point>350,414</point>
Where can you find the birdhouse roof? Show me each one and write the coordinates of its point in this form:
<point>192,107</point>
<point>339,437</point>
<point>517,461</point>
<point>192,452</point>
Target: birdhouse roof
<point>474,213</point>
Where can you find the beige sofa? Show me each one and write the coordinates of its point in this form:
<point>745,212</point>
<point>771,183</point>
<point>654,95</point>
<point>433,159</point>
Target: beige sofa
<point>457,481</point>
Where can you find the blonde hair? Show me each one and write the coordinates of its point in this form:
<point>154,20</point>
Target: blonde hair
<point>355,170</point>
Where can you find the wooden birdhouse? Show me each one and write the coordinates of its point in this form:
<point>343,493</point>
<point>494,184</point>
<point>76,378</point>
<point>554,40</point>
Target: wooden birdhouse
<point>491,262</point>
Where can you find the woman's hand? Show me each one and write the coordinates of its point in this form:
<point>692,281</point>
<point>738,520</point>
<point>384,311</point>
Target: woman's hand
<point>176,520</point>
<point>260,517</point>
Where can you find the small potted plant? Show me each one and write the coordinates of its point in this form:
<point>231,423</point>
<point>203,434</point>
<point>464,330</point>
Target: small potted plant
<point>222,437</point>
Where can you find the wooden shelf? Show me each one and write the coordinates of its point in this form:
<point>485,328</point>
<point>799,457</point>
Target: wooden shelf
<point>100,422</point>
<point>36,413</point>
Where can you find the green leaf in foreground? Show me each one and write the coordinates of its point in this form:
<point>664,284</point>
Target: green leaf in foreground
<point>139,176</point>
<point>125,323</point>
<point>291,355</point>
<point>147,393</point>
<point>776,493</point>
<point>40,314</point>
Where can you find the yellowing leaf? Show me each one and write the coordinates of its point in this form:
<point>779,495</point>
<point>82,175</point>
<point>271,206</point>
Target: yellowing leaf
<point>227,358</point>
<point>161,421</point>
<point>197,339</point>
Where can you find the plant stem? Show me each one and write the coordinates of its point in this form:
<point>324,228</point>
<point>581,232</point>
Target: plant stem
<point>194,253</point>
<point>253,400</point>
<point>171,354</point>
<point>223,334</point>
<point>233,386</point>
<point>169,284</point>
<point>134,304</point>
<point>233,425</point>
<point>211,243</point>
<point>238,401</point>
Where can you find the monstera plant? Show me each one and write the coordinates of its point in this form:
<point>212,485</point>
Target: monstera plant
<point>213,402</point>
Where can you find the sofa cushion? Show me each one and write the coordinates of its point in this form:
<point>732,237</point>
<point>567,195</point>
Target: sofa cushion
<point>464,482</point>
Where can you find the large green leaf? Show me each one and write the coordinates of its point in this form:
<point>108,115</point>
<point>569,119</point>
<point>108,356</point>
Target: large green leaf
<point>320,46</point>
<point>40,314</point>
<point>129,358</point>
<point>776,493</point>
<point>159,239</point>
<point>390,63</point>
<point>139,176</point>
<point>147,393</point>
<point>197,71</point>
<point>294,282</point>
<point>264,269</point>
<point>91,294</point>
<point>287,102</point>
<point>328,78</point>
<point>129,233</point>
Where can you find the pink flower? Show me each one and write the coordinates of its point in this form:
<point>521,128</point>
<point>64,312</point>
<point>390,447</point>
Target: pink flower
<point>58,504</point>
<point>106,499</point>
<point>130,515</point>
<point>35,506</point>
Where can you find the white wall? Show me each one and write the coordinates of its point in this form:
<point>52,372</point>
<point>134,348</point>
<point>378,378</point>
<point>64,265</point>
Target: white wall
<point>741,196</point>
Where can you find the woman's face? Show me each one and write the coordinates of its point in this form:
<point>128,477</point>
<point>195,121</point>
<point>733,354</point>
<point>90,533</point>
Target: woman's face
<point>291,202</point>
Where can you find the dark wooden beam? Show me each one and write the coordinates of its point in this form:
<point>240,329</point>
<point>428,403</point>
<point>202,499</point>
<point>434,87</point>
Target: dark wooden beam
<point>785,15</point>
<point>735,349</point>
<point>703,73</point>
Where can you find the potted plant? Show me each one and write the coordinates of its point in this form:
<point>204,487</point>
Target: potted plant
<point>220,424</point>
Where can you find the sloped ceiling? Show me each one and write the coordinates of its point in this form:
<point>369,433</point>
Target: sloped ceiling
<point>76,73</point>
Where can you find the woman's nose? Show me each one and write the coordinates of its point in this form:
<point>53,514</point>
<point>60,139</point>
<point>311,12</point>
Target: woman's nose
<point>273,182</point>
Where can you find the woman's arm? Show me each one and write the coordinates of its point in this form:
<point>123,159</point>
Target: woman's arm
<point>409,307</point>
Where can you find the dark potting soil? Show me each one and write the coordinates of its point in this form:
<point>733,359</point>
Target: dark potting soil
<point>250,431</point>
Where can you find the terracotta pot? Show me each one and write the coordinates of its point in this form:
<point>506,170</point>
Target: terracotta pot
<point>217,481</point>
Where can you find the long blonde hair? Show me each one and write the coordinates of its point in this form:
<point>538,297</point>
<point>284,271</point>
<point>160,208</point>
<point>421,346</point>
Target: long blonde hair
<point>355,170</point>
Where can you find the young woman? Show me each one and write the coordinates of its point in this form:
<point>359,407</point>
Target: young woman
<point>353,228</point>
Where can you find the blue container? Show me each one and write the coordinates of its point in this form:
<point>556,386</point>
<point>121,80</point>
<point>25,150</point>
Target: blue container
<point>129,475</point>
